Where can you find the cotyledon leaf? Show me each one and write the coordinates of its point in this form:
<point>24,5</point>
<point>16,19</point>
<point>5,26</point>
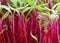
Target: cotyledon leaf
<point>30,2</point>
<point>20,2</point>
<point>5,15</point>
<point>26,9</point>
<point>5,7</point>
<point>14,2</point>
<point>39,5</point>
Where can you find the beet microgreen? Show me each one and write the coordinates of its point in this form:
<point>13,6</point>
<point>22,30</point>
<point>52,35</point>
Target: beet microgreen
<point>29,21</point>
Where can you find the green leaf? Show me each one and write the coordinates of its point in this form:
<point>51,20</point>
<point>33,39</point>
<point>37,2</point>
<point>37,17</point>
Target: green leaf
<point>20,2</point>
<point>34,3</point>
<point>58,7</point>
<point>41,8</point>
<point>55,1</point>
<point>30,2</point>
<point>5,15</point>
<point>57,4</point>
<point>30,10</point>
<point>25,2</point>
<point>46,13</point>
<point>26,9</point>
<point>41,5</point>
<point>5,7</point>
<point>14,2</point>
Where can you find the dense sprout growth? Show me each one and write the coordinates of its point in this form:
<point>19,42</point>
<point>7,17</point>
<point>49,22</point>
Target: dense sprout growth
<point>29,21</point>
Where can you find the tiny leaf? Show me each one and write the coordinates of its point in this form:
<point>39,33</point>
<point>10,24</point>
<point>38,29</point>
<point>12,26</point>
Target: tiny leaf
<point>26,9</point>
<point>5,15</point>
<point>14,2</point>
<point>5,7</point>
